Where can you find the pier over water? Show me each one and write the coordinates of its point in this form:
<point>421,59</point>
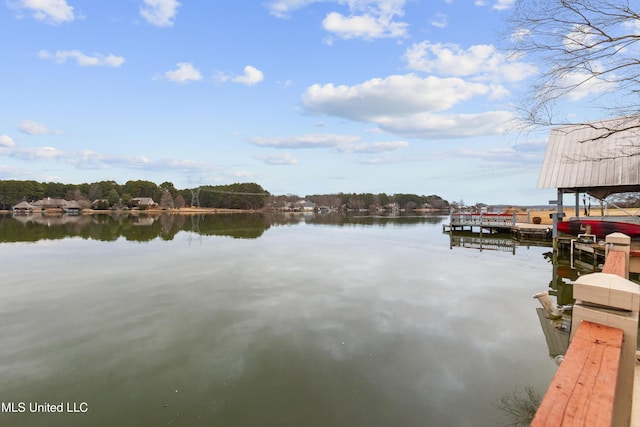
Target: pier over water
<point>517,224</point>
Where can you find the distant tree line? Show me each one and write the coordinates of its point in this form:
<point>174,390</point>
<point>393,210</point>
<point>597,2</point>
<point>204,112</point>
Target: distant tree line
<point>233,196</point>
<point>353,201</point>
<point>109,194</point>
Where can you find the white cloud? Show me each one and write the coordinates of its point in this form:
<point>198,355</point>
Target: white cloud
<point>184,73</point>
<point>6,141</point>
<point>282,8</point>
<point>632,25</point>
<point>374,147</point>
<point>312,140</point>
<point>250,77</point>
<point>431,126</point>
<point>503,4</point>
<point>585,84</point>
<point>279,159</point>
<point>479,61</point>
<point>61,56</point>
<point>367,19</point>
<point>497,5</point>
<point>520,34</point>
<point>397,95</point>
<point>440,20</point>
<point>88,159</point>
<point>36,153</point>
<point>364,26</point>
<point>31,127</point>
<point>50,11</point>
<point>342,143</point>
<point>159,12</point>
<point>581,37</point>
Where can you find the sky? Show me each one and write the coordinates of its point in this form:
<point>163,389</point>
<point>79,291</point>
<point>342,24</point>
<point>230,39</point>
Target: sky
<point>300,96</point>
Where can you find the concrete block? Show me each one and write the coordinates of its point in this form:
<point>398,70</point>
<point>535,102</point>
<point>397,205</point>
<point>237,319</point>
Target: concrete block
<point>608,290</point>
<point>618,239</point>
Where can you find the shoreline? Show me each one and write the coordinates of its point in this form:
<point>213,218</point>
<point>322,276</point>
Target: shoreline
<point>544,215</point>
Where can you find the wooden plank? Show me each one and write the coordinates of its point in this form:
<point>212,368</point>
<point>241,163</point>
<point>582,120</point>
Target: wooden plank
<point>582,393</point>
<point>615,263</point>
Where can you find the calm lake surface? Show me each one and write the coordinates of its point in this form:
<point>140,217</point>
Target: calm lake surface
<point>252,320</point>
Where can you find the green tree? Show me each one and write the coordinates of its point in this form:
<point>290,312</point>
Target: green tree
<point>140,188</point>
<point>126,199</point>
<point>113,197</point>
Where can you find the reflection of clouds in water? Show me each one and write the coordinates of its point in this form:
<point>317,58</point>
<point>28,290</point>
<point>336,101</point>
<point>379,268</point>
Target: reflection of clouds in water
<point>306,313</point>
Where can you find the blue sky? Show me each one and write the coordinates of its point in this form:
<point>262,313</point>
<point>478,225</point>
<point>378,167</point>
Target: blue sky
<point>300,96</point>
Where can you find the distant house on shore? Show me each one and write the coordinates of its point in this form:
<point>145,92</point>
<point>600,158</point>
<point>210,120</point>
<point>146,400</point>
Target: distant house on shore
<point>72,207</point>
<point>143,202</point>
<point>50,203</point>
<point>304,205</point>
<point>23,207</point>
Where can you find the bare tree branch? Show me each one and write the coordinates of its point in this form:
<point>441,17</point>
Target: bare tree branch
<point>587,50</point>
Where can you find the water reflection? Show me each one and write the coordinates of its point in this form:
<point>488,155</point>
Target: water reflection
<point>565,270</point>
<point>501,242</point>
<point>367,321</point>
<point>146,227</point>
<point>483,243</point>
<point>141,228</point>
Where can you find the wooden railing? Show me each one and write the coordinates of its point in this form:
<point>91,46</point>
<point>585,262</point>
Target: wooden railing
<point>488,218</point>
<point>594,384</point>
<point>583,390</point>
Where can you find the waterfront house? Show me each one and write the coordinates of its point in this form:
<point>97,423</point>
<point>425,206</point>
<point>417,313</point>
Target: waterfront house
<point>49,203</point>
<point>304,205</point>
<point>143,202</point>
<point>72,207</point>
<point>23,208</point>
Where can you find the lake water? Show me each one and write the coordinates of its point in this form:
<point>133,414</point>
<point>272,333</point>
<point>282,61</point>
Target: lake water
<point>252,320</point>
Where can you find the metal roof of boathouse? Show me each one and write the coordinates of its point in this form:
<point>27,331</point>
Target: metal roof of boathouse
<point>599,158</point>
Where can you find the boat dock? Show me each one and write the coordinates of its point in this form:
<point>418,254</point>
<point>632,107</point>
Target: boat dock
<point>516,224</point>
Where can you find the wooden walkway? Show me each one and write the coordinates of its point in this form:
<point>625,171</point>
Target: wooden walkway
<point>516,224</point>
<point>480,221</point>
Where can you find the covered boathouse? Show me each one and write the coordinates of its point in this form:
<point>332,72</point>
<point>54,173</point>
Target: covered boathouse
<point>597,158</point>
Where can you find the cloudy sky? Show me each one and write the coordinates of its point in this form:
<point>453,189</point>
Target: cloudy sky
<point>300,96</point>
